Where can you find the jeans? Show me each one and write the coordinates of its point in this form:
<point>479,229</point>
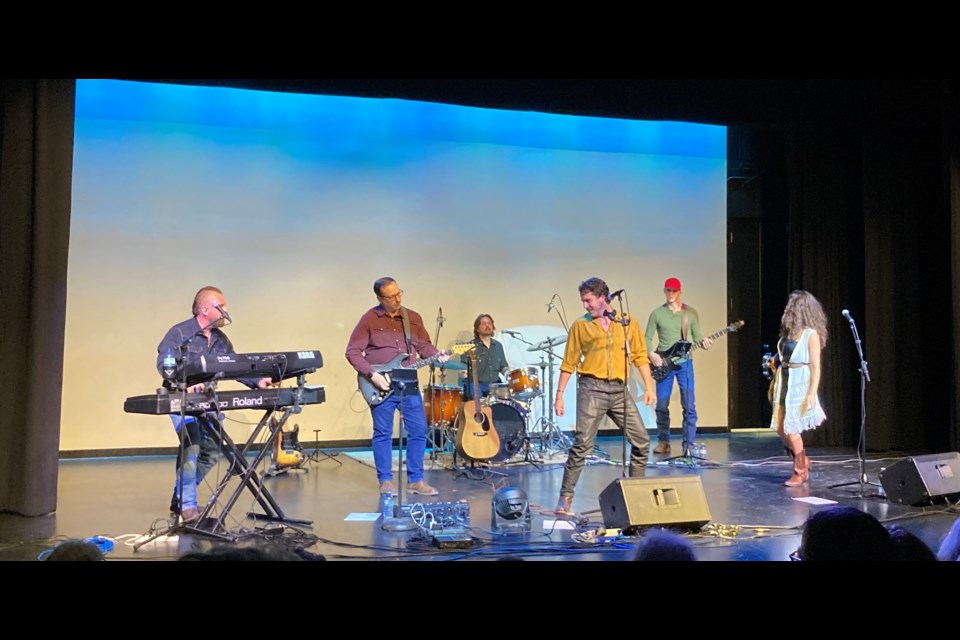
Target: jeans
<point>484,388</point>
<point>597,399</point>
<point>688,402</point>
<point>200,454</point>
<point>415,425</point>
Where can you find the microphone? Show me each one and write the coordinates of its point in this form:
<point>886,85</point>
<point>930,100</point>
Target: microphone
<point>550,306</point>
<point>223,312</point>
<point>617,293</point>
<point>440,317</point>
<point>610,313</point>
<point>511,333</point>
<point>846,314</point>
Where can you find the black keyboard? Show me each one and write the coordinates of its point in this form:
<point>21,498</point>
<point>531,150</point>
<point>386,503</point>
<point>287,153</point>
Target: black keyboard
<point>195,403</point>
<point>232,366</point>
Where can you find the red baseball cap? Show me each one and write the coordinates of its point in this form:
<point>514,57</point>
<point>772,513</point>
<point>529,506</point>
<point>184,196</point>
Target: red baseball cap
<point>672,283</point>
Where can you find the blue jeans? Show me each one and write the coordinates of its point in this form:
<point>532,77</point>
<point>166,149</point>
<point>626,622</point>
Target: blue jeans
<point>484,388</point>
<point>200,454</point>
<point>688,402</point>
<point>415,425</point>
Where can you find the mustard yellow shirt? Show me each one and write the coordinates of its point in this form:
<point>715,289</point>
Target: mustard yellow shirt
<point>599,353</point>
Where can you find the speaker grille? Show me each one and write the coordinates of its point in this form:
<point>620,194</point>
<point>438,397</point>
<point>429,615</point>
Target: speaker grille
<point>634,503</point>
<point>922,480</point>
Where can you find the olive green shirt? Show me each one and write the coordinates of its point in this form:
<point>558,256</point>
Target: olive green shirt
<point>666,325</point>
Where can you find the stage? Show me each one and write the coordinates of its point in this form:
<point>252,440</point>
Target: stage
<point>752,515</point>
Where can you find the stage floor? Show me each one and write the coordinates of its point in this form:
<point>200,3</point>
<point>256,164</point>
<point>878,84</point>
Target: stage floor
<point>330,505</point>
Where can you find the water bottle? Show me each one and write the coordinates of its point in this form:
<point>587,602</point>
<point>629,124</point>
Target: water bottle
<point>702,451</point>
<point>169,366</point>
<point>387,506</point>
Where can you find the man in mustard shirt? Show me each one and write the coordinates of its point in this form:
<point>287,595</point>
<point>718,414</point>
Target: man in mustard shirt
<point>596,350</point>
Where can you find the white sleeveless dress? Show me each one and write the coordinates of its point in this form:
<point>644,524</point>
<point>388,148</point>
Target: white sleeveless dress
<point>798,383</point>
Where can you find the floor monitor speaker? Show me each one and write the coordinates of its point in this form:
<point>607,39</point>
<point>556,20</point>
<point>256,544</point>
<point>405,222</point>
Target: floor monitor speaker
<point>669,501</point>
<point>922,480</point>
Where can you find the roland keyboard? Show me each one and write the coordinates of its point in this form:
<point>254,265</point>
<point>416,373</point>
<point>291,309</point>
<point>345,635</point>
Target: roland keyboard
<point>194,403</point>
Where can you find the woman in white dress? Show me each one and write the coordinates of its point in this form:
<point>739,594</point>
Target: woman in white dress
<point>796,407</point>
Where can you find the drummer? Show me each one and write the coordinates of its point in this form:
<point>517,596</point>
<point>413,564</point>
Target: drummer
<point>492,364</point>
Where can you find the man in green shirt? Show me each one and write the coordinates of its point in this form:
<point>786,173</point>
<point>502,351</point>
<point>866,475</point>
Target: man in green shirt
<point>674,323</point>
<point>596,345</point>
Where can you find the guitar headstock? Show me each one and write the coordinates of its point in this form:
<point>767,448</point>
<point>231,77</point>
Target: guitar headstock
<point>462,347</point>
<point>736,325</point>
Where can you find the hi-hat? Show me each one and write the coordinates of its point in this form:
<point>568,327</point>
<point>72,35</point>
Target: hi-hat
<point>548,343</point>
<point>453,365</point>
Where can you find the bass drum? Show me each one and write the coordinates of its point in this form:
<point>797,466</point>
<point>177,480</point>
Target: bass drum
<point>510,423</point>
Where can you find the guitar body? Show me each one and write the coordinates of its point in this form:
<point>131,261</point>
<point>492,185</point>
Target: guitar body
<point>370,392</point>
<point>682,348</point>
<point>374,396</point>
<point>661,372</point>
<point>477,438</point>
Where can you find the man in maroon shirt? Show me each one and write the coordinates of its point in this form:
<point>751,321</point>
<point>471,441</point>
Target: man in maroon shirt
<point>385,332</point>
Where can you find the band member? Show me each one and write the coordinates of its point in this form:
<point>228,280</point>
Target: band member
<point>198,336</point>
<point>384,332</point>
<point>803,334</point>
<point>595,350</point>
<point>672,322</point>
<point>492,364</point>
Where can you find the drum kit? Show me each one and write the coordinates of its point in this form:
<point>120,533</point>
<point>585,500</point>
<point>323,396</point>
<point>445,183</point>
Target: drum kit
<point>510,404</point>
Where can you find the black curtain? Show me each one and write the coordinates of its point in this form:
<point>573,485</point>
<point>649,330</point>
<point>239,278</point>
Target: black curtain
<point>36,165</point>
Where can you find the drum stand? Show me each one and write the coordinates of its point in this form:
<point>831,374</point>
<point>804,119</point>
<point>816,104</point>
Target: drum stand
<point>437,427</point>
<point>550,434</point>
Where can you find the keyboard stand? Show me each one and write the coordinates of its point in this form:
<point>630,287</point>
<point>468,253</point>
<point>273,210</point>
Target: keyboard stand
<point>247,471</point>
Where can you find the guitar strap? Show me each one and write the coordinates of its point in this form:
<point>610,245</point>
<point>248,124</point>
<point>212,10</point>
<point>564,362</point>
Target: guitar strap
<point>406,328</point>
<point>683,322</point>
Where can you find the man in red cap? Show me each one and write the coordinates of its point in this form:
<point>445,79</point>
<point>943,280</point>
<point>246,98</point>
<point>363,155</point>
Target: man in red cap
<point>675,325</point>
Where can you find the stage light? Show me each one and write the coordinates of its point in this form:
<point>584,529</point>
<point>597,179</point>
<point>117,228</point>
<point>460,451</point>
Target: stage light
<point>510,512</point>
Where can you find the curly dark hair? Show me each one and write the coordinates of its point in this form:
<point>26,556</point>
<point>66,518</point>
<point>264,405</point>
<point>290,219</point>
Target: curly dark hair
<point>803,310</point>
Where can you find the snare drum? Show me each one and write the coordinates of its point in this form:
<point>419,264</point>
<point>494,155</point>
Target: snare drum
<point>524,383</point>
<point>500,391</point>
<point>441,403</point>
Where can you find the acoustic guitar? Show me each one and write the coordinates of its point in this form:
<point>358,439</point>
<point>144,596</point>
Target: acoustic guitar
<point>477,437</point>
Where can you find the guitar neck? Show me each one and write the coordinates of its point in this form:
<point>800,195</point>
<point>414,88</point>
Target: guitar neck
<point>712,336</point>
<point>422,362</point>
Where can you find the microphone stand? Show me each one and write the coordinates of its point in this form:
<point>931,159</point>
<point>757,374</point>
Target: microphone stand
<point>432,429</point>
<point>398,522</point>
<point>623,322</point>
<point>862,443</point>
<point>550,305</point>
<point>180,387</point>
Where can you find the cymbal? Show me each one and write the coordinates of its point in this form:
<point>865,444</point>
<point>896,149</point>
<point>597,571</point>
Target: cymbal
<point>548,343</point>
<point>452,365</point>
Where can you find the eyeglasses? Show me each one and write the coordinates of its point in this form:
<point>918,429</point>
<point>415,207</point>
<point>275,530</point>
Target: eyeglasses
<point>796,557</point>
<point>395,296</point>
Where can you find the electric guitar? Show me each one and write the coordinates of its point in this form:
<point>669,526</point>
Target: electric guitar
<point>681,348</point>
<point>374,395</point>
<point>476,438</point>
